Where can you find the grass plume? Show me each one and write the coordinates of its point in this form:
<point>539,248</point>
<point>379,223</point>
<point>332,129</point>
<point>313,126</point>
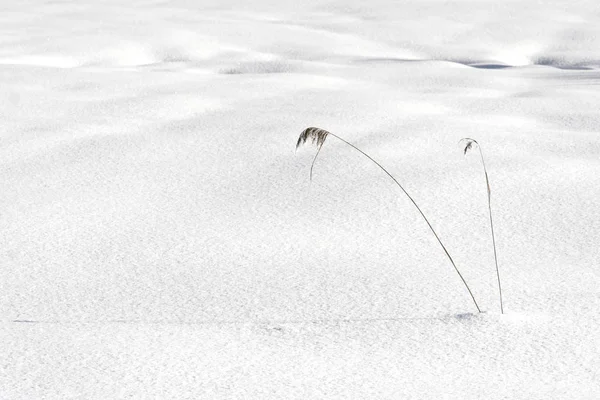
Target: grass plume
<point>468,145</point>
<point>318,136</point>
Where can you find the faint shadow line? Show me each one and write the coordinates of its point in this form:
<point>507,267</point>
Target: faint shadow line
<point>464,316</point>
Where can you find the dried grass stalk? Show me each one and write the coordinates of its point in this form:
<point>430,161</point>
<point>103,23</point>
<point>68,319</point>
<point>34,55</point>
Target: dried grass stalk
<point>468,145</point>
<point>318,137</point>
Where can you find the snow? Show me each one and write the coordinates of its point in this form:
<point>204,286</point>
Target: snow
<point>161,238</point>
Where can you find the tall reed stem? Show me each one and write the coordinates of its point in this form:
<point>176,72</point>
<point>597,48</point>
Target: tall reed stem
<point>319,135</point>
<point>489,193</point>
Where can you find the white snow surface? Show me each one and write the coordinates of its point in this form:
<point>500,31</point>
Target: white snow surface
<point>160,236</point>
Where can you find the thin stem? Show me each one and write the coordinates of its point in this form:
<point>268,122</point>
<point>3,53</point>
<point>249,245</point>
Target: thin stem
<point>489,192</point>
<point>420,211</point>
<point>313,162</point>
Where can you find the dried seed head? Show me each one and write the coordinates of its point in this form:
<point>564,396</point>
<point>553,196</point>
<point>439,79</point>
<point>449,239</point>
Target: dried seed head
<point>468,143</point>
<point>316,135</point>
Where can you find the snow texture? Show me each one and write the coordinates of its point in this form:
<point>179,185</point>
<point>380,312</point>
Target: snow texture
<point>160,238</point>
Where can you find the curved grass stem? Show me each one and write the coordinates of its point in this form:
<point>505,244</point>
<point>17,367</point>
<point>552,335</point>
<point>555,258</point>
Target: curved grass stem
<point>319,135</point>
<point>489,193</point>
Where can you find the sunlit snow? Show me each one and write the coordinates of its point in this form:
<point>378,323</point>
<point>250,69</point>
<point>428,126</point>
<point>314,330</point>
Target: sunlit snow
<point>160,236</point>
